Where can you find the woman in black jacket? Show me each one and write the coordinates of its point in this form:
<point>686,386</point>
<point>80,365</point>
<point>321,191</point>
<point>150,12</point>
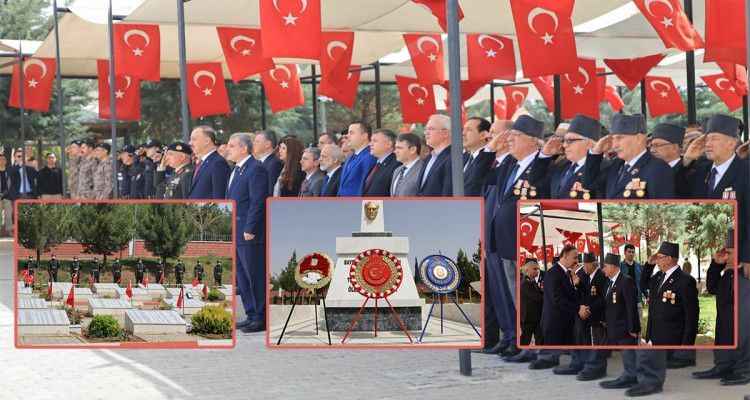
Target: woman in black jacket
<point>291,177</point>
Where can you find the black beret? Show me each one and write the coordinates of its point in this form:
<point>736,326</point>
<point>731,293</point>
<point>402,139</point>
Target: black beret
<point>181,147</point>
<point>529,126</point>
<point>612,259</point>
<point>669,249</point>
<point>589,257</point>
<point>628,124</point>
<point>104,146</point>
<point>152,143</point>
<point>128,149</point>
<point>586,126</point>
<point>88,142</point>
<point>724,124</point>
<point>76,142</point>
<point>671,133</point>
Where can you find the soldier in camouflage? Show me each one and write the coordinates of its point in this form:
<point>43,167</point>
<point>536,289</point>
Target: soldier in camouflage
<point>103,175</point>
<point>74,151</point>
<point>179,271</point>
<point>86,171</point>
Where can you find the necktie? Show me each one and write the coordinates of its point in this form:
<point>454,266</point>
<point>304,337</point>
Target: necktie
<point>399,178</point>
<point>511,179</point>
<point>570,276</point>
<point>368,181</point>
<point>24,181</point>
<point>494,164</point>
<point>325,185</point>
<point>623,172</point>
<point>468,162</point>
<point>567,176</point>
<point>232,178</point>
<point>609,286</point>
<point>712,180</point>
<point>197,168</point>
<point>305,185</point>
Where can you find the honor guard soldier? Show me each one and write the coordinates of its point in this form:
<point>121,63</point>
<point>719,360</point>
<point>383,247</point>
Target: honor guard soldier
<point>96,269</point>
<point>178,157</point>
<point>576,177</point>
<point>217,273</point>
<point>86,170</point>
<point>75,270</point>
<point>139,270</point>
<point>116,271</point>
<point>52,268</point>
<point>198,271</point>
<point>731,366</point>
<point>666,145</point>
<point>30,267</point>
<point>179,270</point>
<point>149,169</point>
<point>160,272</point>
<point>636,174</point>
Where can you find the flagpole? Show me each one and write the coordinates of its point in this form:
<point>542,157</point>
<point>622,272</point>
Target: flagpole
<point>112,102</point>
<point>747,40</point>
<point>378,102</point>
<point>492,101</point>
<point>21,82</point>
<point>690,66</point>
<point>60,119</point>
<point>183,70</point>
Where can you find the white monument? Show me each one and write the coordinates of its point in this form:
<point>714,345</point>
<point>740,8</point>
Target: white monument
<point>343,301</point>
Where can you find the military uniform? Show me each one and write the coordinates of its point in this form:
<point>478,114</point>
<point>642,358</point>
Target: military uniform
<point>75,269</point>
<point>149,169</point>
<point>137,181</point>
<point>52,269</point>
<point>86,173</point>
<point>160,272</point>
<point>73,165</point>
<point>198,272</point>
<point>179,271</point>
<point>96,270</point>
<point>103,176</point>
<point>139,270</point>
<point>30,269</point>
<point>123,180</point>
<point>116,271</point>
<point>218,269</point>
<point>178,185</point>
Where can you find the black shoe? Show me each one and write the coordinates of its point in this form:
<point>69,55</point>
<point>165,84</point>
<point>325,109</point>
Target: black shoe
<point>713,373</point>
<point>569,370</point>
<point>253,327</point>
<point>619,383</point>
<point>493,349</point>
<point>643,390</point>
<point>677,363</point>
<point>522,357</point>
<point>543,364</point>
<point>511,351</point>
<point>591,375</point>
<point>242,324</point>
<point>733,379</point>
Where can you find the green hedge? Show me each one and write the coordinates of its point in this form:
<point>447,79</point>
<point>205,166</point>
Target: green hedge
<point>104,326</point>
<point>212,320</point>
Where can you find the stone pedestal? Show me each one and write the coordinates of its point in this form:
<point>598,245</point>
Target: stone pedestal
<point>155,290</point>
<point>190,307</point>
<point>113,307</point>
<point>156,322</point>
<point>106,289</point>
<point>139,295</point>
<point>43,323</point>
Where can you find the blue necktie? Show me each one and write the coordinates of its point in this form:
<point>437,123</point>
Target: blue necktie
<point>24,181</point>
<point>566,177</point>
<point>234,178</point>
<point>712,181</point>
<point>325,185</point>
<point>511,179</point>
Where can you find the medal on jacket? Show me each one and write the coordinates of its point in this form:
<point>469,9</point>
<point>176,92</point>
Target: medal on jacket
<point>524,190</point>
<point>578,187</point>
<point>635,185</point>
<point>729,194</point>
<point>593,290</point>
<point>669,296</point>
<point>614,296</point>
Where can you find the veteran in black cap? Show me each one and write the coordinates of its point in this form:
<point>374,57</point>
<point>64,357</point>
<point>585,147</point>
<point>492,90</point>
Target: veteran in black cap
<point>149,168</point>
<point>594,361</point>
<point>636,173</point>
<point>532,299</point>
<point>127,163</point>
<point>577,176</point>
<point>666,145</point>
<point>179,159</point>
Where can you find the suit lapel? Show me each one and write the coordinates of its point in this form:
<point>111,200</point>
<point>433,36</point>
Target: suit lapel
<point>203,166</point>
<point>726,180</point>
<point>635,172</point>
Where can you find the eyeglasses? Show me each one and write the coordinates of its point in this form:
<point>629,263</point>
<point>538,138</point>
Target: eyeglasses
<point>659,145</point>
<point>571,141</point>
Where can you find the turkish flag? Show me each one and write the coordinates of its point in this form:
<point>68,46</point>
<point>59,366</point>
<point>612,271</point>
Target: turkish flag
<point>427,57</point>
<point>618,239</point>
<point>74,279</point>
<point>601,83</point>
<point>521,258</point>
<point>671,23</point>
<point>613,98</point>
<point>581,245</point>
<point>438,9</point>
<point>127,94</point>
<point>592,241</point>
<point>490,57</point>
<point>243,52</point>
<point>631,71</point>
<point>539,253</point>
<point>725,31</point>
<point>469,88</point>
<point>545,36</point>
<point>515,97</point>
<point>71,300</point>
<point>580,91</point>
<point>737,74</point>
<point>545,85</point>
<point>207,93</point>
<point>137,51</point>
<point>417,100</point>
<point>195,282</point>
<point>38,76</point>
<point>635,239</point>
<point>343,91</point>
<point>205,291</point>
<point>663,97</point>
<point>336,53</point>
<point>500,109</point>
<point>145,281</point>
<point>290,28</point>
<point>181,297</point>
<point>49,290</point>
<point>570,237</point>
<point>527,228</point>
<point>724,89</point>
<point>283,87</point>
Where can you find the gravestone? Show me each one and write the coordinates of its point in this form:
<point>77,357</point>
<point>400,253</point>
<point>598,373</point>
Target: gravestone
<point>190,306</point>
<point>155,290</point>
<point>227,290</point>
<point>106,289</point>
<point>34,322</point>
<point>154,322</point>
<point>60,290</point>
<point>25,293</point>
<point>139,294</point>
<point>31,303</point>
<point>113,307</point>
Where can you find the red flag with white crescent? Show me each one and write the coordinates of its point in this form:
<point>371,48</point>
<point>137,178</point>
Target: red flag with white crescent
<point>490,57</point>
<point>127,94</point>
<point>592,242</point>
<point>137,51</point>
<point>290,28</point>
<point>38,76</point>
<point>613,98</point>
<point>737,74</point>
<point>336,54</point>
<point>527,229</point>
<point>207,92</point>
<point>417,100</point>
<point>545,85</point>
<point>671,23</point>
<point>580,91</point>
<point>581,245</point>
<point>723,88</point>
<point>725,32</point>
<point>663,97</point>
<point>129,290</point>
<point>631,71</point>
<point>500,109</point>
<point>343,91</point>
<point>515,97</point>
<point>243,52</point>
<point>438,9</point>
<point>283,87</point>
<point>71,300</point>
<point>570,237</point>
<point>426,53</point>
<point>180,297</point>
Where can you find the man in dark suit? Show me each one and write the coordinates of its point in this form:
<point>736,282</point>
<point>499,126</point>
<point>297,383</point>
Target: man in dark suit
<point>636,173</point>
<point>560,307</point>
<point>405,181</point>
<point>666,145</point>
<point>264,145</point>
<point>212,171</point>
<point>594,361</point>
<point>248,187</point>
<point>477,158</point>
<point>310,164</point>
<point>23,179</point>
<point>581,326</point>
<point>435,178</point>
<point>331,158</point>
<point>576,178</point>
<point>359,164</point>
<point>532,301</point>
<point>379,178</point>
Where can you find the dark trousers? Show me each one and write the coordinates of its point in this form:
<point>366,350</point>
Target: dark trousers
<point>178,278</point>
<point>116,276</point>
<point>648,366</point>
<point>251,280</point>
<point>501,297</point>
<point>738,360</point>
<point>529,330</point>
<point>491,327</point>
<point>53,275</point>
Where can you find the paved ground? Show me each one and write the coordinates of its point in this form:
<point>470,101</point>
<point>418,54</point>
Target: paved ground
<point>252,372</point>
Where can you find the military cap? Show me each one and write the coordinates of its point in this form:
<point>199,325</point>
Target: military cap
<point>589,257</point>
<point>104,146</point>
<point>181,147</point>
<point>612,259</point>
<point>88,142</point>
<point>531,261</point>
<point>586,126</point>
<point>76,142</point>
<point>671,133</point>
<point>724,124</point>
<point>529,126</point>
<point>152,143</point>
<point>128,149</point>
<point>669,249</point>
<point>628,124</point>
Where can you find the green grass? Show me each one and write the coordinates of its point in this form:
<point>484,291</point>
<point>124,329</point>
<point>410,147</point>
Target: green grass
<point>707,307</point>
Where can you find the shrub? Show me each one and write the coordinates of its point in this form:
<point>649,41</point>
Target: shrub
<point>163,305</point>
<point>104,326</point>
<point>212,320</point>
<point>702,326</point>
<point>215,295</point>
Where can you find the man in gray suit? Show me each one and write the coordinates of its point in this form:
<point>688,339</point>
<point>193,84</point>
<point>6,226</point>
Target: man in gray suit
<point>310,163</point>
<point>405,180</point>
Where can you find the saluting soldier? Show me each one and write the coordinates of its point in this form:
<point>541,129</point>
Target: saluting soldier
<point>116,271</point>
<point>178,157</point>
<point>75,269</point>
<point>218,269</point>
<point>103,175</point>
<point>87,170</point>
<point>137,175</point>
<point>179,270</point>
<point>576,178</point>
<point>96,269</point>
<point>198,272</point>
<point>139,270</point>
<point>636,173</point>
<point>666,145</point>
<point>52,268</point>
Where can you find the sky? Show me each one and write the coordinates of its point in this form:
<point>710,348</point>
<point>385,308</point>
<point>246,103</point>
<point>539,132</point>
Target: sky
<point>442,226</point>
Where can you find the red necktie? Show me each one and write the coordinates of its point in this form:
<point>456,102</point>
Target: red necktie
<point>368,181</point>
<point>197,168</point>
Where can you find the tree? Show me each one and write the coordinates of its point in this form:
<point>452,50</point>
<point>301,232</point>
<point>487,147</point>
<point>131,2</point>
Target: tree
<point>706,228</point>
<point>285,279</point>
<point>469,271</point>
<point>211,218</point>
<point>103,228</point>
<point>43,226</point>
<point>165,229</point>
